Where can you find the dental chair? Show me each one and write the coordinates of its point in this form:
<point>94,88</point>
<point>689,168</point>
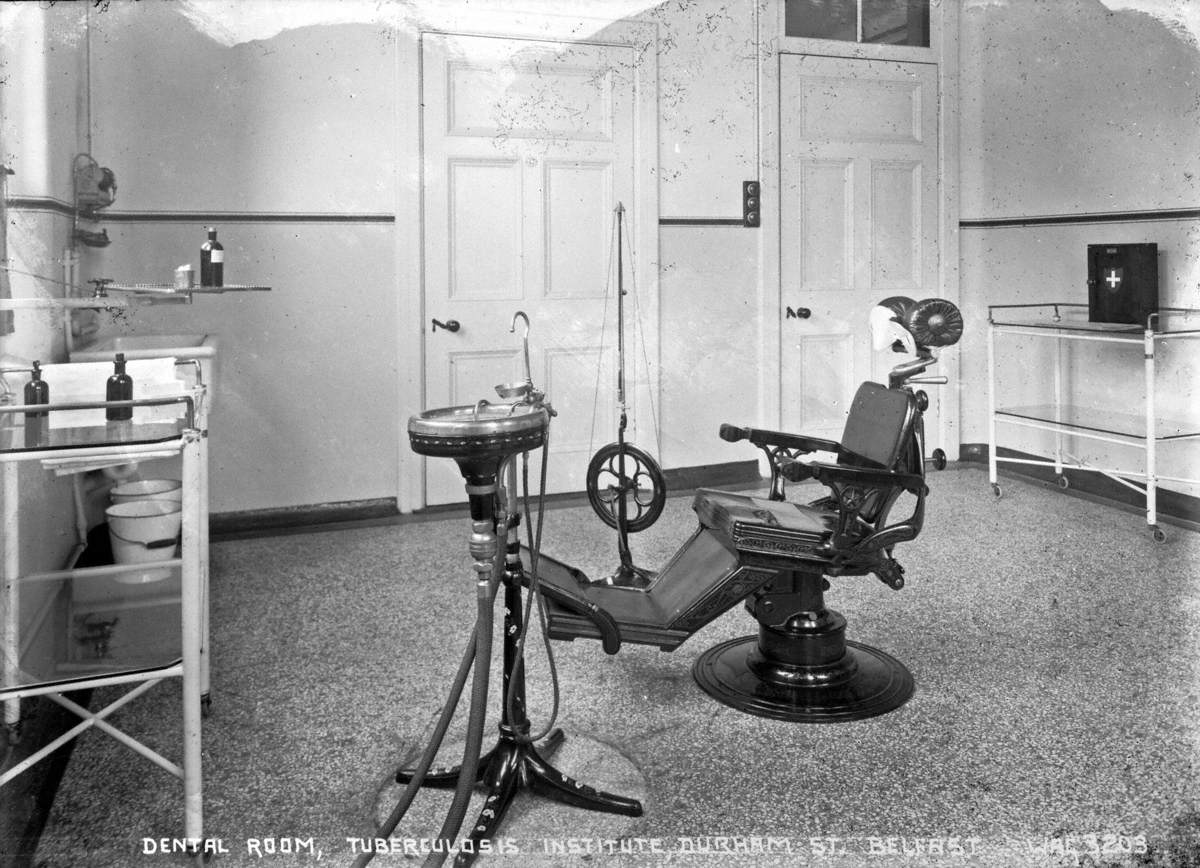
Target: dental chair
<point>777,555</point>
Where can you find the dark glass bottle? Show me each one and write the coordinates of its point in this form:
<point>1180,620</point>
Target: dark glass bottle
<point>119,388</point>
<point>212,261</point>
<point>37,391</point>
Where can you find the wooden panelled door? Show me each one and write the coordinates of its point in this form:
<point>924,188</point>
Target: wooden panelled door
<point>858,223</point>
<point>528,147</point>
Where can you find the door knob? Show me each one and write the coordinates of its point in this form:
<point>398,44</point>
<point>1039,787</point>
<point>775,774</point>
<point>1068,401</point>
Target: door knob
<point>798,313</point>
<point>451,325</point>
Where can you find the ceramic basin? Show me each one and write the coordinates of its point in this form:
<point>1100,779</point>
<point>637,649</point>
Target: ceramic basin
<point>200,347</point>
<point>481,432</point>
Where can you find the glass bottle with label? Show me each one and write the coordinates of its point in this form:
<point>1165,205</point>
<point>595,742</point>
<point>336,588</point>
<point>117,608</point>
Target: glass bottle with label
<point>119,388</point>
<point>37,391</point>
<point>212,261</point>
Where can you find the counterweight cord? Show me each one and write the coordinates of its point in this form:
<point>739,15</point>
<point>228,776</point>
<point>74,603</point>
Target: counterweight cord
<point>637,324</point>
<point>612,246</point>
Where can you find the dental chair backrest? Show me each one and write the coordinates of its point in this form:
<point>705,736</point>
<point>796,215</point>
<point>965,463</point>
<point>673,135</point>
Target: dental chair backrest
<point>879,427</point>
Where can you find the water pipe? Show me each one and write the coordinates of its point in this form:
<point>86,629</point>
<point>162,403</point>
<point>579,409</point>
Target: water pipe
<point>11,568</point>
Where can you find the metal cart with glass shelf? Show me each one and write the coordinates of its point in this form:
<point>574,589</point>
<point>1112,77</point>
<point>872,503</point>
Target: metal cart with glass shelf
<point>1065,322</point>
<point>109,625</point>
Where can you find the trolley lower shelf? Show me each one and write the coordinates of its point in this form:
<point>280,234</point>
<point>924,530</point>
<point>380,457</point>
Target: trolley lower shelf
<point>95,625</point>
<point>1147,431</point>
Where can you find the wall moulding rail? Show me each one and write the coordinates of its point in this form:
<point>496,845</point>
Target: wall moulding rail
<point>25,203</point>
<point>1082,219</point>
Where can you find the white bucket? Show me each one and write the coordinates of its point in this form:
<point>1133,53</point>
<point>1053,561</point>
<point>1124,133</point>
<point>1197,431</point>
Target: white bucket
<point>147,489</point>
<point>143,532</point>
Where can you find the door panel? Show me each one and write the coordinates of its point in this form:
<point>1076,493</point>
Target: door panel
<point>484,230</point>
<point>824,241</point>
<point>813,375</point>
<point>858,101</point>
<point>576,375</point>
<point>528,147</point>
<point>578,229</point>
<point>895,241</point>
<point>858,210</point>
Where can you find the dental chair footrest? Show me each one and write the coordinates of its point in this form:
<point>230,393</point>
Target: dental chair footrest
<point>702,581</point>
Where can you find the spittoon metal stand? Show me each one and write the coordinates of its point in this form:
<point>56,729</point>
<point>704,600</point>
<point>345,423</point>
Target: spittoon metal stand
<point>485,440</point>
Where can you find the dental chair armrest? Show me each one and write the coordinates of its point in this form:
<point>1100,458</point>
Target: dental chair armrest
<point>875,550</point>
<point>853,487</point>
<point>868,476</point>
<point>795,470</point>
<point>780,449</point>
<point>766,439</point>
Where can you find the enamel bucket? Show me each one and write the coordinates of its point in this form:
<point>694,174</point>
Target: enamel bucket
<point>143,532</point>
<point>147,489</point>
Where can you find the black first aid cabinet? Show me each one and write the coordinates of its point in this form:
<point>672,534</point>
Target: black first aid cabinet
<point>1122,282</point>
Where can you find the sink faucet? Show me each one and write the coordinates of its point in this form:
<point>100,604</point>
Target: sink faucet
<point>525,392</point>
<point>525,340</point>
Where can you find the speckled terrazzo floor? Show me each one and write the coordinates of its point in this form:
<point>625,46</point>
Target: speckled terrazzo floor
<point>1055,646</point>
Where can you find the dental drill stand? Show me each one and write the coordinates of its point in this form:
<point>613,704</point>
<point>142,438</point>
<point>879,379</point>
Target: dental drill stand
<point>514,762</point>
<point>484,442</point>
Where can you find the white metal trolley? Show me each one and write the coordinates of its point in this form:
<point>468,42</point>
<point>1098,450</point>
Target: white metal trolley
<point>110,625</point>
<point>1062,322</point>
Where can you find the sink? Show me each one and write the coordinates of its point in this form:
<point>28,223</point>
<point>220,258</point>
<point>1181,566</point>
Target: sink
<point>480,435</point>
<point>202,348</point>
<point>151,346</point>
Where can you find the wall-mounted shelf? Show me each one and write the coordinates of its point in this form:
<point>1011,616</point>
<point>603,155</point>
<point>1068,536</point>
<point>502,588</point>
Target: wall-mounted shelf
<point>1065,322</point>
<point>130,294</point>
<point>170,289</point>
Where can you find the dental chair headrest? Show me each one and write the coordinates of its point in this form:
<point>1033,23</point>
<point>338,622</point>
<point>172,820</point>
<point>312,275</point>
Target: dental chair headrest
<point>934,322</point>
<point>888,328</point>
<point>908,326</point>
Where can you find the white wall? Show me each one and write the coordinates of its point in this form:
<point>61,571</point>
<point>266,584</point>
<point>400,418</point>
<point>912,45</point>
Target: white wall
<point>1067,108</point>
<point>1074,109</point>
<point>195,120</point>
<point>708,274</point>
<point>40,65</point>
<point>301,122</point>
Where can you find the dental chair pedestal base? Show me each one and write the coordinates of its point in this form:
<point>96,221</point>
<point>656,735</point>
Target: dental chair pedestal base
<point>801,667</point>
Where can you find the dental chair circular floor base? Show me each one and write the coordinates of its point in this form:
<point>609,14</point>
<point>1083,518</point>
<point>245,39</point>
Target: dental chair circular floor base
<point>803,669</point>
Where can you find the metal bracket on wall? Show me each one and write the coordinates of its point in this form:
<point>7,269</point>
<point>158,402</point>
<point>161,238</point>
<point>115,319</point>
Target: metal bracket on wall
<point>751,204</point>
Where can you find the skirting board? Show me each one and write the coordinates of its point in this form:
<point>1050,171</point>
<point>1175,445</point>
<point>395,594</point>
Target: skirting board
<point>1172,505</point>
<point>383,510</point>
<point>298,519</point>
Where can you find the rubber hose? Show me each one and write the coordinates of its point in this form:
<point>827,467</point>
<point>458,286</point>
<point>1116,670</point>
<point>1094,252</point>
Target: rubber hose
<point>475,724</point>
<point>435,742</point>
<point>535,549</point>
